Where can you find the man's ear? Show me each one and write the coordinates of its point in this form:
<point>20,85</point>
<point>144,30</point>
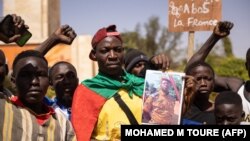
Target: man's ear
<point>92,55</point>
<point>6,69</point>
<point>12,78</point>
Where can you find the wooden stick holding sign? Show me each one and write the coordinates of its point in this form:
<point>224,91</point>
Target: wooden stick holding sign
<point>190,49</point>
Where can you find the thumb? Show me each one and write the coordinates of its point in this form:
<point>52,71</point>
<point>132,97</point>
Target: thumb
<point>14,38</point>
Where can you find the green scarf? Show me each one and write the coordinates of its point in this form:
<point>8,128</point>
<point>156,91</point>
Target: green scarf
<point>107,86</point>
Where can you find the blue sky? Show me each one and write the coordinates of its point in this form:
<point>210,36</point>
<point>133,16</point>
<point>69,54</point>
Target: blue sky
<point>87,16</point>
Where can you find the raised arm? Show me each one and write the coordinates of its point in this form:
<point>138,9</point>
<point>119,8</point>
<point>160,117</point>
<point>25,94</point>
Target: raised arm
<point>64,34</point>
<point>227,83</point>
<point>221,30</point>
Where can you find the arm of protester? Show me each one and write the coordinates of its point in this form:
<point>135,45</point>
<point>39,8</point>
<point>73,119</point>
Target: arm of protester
<point>221,30</point>
<point>64,34</point>
<point>189,92</point>
<point>18,24</point>
<point>159,62</point>
<point>227,83</point>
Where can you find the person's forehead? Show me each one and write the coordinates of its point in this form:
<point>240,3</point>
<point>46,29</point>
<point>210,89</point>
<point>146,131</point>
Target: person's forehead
<point>164,80</point>
<point>63,67</point>
<point>35,61</point>
<point>227,106</point>
<point>109,41</point>
<point>202,69</point>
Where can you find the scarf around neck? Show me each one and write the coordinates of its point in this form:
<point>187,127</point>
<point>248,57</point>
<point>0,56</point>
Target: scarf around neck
<point>108,87</point>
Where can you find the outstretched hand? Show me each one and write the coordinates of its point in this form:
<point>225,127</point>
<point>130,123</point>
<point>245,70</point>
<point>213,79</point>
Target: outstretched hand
<point>160,62</point>
<point>18,24</point>
<point>222,29</point>
<point>65,34</point>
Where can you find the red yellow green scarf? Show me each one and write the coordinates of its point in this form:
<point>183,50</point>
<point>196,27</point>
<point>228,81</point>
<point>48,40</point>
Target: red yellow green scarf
<point>107,87</point>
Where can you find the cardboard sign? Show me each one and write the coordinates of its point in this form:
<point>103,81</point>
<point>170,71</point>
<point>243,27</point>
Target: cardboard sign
<point>193,15</point>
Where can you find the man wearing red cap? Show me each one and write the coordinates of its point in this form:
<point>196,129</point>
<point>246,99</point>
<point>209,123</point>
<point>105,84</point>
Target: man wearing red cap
<point>96,110</point>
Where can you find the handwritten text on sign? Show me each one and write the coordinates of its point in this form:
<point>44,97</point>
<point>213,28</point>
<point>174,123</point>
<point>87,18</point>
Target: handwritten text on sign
<point>193,15</point>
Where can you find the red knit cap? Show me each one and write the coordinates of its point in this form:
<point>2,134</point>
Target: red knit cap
<point>105,32</point>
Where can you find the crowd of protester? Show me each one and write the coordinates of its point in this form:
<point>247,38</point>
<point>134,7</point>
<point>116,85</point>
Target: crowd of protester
<point>95,109</point>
